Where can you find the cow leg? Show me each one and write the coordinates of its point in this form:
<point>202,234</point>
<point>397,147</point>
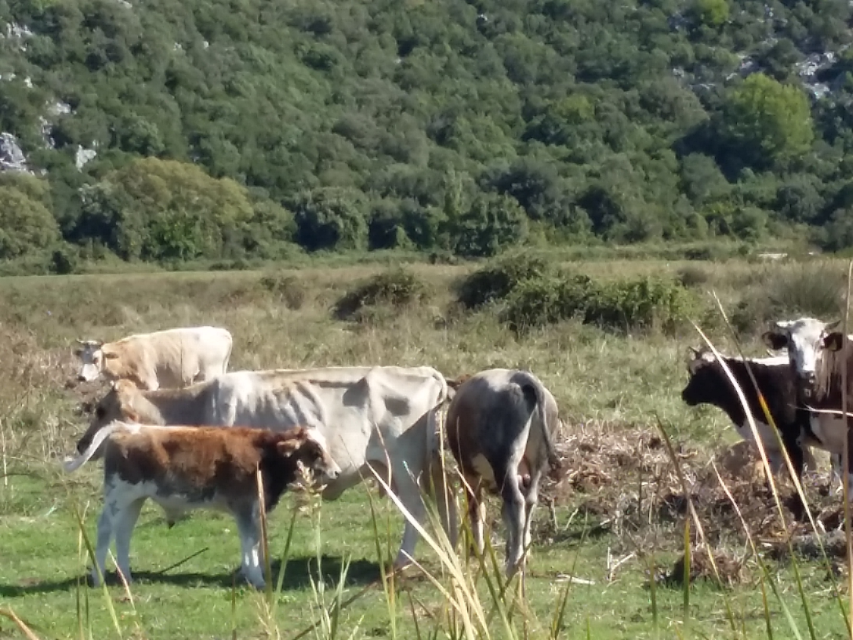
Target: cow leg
<point>444,502</point>
<point>513,515</point>
<point>797,453</point>
<point>105,533</point>
<point>809,461</point>
<point>835,461</point>
<point>123,523</point>
<point>408,492</point>
<point>531,499</point>
<point>250,546</point>
<point>476,511</point>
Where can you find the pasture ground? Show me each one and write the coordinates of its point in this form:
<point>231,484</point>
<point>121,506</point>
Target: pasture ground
<point>619,498</point>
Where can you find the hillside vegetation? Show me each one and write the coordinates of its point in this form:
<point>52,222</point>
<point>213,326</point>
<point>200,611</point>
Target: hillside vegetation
<point>225,129</point>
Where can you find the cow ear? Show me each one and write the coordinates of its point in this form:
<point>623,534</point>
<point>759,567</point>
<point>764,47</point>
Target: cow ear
<point>775,340</point>
<point>834,341</point>
<point>288,447</point>
<point>831,326</point>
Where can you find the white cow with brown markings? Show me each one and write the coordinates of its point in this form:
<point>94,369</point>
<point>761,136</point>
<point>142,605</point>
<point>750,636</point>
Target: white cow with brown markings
<point>184,468</point>
<point>163,359</point>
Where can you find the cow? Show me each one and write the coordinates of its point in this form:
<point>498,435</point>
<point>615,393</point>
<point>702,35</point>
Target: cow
<point>819,362</point>
<point>372,417</point>
<point>500,428</point>
<point>184,468</point>
<point>709,384</point>
<point>163,359</point>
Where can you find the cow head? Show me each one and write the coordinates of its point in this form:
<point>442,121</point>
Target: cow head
<point>309,447</point>
<point>118,404</point>
<point>805,339</point>
<point>92,357</point>
<point>703,370</point>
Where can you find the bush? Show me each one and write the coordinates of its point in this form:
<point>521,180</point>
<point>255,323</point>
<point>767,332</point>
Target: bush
<point>288,288</point>
<point>641,304</point>
<point>545,300</point>
<point>814,289</point>
<point>624,306</point>
<point>692,276</point>
<point>396,288</point>
<point>497,280</point>
<point>63,261</point>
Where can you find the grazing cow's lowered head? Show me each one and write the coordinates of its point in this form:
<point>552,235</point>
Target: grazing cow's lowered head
<point>124,401</point>
<point>92,356</point>
<point>805,339</point>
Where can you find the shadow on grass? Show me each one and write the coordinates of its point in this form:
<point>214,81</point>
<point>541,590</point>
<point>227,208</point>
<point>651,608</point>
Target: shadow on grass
<point>297,575</point>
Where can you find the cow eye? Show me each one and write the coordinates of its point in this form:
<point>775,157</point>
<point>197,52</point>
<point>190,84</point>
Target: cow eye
<point>100,412</point>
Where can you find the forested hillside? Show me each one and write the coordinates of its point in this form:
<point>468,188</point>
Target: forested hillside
<point>210,129</point>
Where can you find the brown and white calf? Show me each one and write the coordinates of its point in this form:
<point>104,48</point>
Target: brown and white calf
<point>500,428</point>
<point>184,468</point>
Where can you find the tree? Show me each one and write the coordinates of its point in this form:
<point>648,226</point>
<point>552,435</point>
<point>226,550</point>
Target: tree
<point>164,210</point>
<point>331,218</point>
<point>25,224</point>
<point>766,122</point>
<point>711,13</point>
<point>491,224</point>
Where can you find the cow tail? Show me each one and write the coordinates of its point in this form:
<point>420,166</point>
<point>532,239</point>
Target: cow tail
<point>535,398</point>
<point>103,434</point>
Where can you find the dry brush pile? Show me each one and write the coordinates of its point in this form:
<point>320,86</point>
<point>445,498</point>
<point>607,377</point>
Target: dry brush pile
<point>622,480</point>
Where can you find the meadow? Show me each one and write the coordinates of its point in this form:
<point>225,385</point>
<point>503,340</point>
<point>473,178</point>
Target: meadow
<point>609,533</point>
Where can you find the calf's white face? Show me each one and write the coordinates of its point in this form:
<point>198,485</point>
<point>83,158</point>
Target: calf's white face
<point>804,340</point>
<point>92,358</point>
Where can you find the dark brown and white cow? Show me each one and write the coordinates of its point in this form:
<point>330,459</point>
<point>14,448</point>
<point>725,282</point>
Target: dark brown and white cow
<point>500,427</point>
<point>379,418</point>
<point>185,468</point>
<point>709,384</point>
<point>819,361</point>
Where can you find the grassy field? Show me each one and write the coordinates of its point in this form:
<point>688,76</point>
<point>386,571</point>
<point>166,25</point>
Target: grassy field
<point>618,499</point>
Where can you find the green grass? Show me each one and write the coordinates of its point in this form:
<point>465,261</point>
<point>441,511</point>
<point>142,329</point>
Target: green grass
<point>598,378</point>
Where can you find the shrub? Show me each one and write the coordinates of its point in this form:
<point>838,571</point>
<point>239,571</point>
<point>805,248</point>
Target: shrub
<point>641,304</point>
<point>287,287</point>
<point>497,280</point>
<point>63,261</point>
<point>692,276</point>
<point>397,288</point>
<point>539,301</point>
<point>628,305</point>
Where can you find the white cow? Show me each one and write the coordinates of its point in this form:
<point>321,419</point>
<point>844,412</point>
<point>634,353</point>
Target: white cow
<point>163,359</point>
<point>381,417</point>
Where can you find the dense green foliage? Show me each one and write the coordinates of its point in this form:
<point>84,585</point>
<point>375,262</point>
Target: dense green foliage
<point>227,130</point>
<point>529,293</point>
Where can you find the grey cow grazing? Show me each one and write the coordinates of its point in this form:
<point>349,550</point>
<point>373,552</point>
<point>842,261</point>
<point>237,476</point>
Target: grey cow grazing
<point>500,429</point>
